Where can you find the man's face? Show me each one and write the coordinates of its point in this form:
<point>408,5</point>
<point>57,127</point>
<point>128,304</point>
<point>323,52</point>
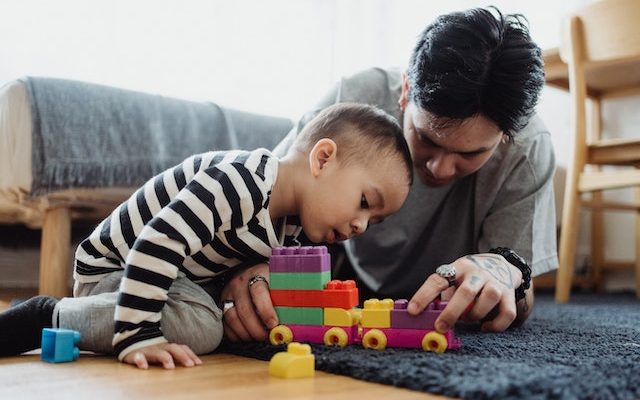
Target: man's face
<point>443,155</point>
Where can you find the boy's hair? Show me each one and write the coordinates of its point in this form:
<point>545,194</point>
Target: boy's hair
<point>474,62</point>
<point>363,133</point>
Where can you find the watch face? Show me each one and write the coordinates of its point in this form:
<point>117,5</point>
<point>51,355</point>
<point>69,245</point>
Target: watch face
<point>517,257</point>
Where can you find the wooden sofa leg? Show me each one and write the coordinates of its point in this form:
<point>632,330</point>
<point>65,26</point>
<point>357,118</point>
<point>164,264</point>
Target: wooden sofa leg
<point>637,261</point>
<point>55,258</point>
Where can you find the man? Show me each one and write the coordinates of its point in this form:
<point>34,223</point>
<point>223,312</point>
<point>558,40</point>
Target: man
<point>483,203</point>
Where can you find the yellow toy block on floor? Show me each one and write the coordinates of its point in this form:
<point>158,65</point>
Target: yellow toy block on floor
<point>296,362</point>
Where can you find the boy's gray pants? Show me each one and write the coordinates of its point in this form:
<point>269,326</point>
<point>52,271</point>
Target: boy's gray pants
<point>190,316</point>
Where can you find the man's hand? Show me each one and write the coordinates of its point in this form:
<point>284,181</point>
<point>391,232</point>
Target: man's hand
<point>484,282</point>
<point>253,313</point>
<point>165,354</point>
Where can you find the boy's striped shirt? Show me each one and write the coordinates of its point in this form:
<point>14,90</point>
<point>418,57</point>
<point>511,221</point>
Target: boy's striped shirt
<point>202,217</point>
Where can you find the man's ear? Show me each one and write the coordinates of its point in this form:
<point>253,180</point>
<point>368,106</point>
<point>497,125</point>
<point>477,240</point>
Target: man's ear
<point>324,151</point>
<point>404,94</point>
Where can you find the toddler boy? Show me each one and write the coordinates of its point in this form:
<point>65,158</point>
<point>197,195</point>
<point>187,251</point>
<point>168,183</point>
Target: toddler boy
<point>139,276</point>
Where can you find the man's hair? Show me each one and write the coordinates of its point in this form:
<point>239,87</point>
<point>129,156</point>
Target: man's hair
<point>363,133</point>
<point>477,62</point>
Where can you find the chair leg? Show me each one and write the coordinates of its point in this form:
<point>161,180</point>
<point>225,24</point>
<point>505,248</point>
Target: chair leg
<point>55,249</point>
<point>597,244</point>
<point>568,239</point>
<point>637,190</point>
<point>597,216</point>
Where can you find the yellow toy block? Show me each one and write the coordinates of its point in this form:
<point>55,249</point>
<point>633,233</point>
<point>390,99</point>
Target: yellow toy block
<point>377,313</point>
<point>356,314</point>
<point>339,317</point>
<point>296,362</point>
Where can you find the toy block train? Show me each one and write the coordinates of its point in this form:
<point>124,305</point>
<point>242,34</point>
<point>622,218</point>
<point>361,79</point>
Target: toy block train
<point>313,308</point>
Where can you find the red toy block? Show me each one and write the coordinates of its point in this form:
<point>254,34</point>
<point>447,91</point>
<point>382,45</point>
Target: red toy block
<point>343,294</point>
<point>340,294</point>
<point>296,298</point>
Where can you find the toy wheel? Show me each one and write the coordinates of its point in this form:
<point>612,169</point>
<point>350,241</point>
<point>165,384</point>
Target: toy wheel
<point>336,337</point>
<point>281,334</point>
<point>374,339</point>
<point>434,341</point>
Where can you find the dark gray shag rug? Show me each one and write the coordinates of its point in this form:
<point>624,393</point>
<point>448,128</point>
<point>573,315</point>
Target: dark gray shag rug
<point>587,349</point>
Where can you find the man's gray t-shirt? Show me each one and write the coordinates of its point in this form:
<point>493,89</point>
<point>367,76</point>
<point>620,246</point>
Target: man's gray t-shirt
<point>509,202</point>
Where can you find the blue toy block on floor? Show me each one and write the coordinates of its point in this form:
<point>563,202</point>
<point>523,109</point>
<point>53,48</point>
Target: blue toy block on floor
<point>59,345</point>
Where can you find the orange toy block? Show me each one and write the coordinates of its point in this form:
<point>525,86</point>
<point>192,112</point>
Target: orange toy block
<point>338,294</point>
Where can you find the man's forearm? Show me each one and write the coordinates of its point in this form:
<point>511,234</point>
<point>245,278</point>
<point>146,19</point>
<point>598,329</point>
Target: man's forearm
<point>524,307</point>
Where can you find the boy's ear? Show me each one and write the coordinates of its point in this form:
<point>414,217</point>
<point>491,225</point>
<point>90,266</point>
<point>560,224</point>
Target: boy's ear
<point>324,151</point>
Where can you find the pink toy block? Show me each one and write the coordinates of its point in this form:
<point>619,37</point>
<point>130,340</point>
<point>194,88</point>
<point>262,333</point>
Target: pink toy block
<point>412,338</point>
<point>400,317</point>
<point>315,333</point>
<point>300,259</point>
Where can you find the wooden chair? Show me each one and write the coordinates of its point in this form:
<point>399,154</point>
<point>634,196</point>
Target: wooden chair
<point>601,46</point>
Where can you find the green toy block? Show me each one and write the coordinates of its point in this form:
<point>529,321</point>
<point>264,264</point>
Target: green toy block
<point>300,315</point>
<point>299,280</point>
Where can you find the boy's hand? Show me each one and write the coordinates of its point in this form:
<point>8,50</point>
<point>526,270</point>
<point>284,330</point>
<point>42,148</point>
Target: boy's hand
<point>164,354</point>
<point>253,313</point>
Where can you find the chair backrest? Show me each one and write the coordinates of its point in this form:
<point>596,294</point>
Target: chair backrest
<point>601,45</point>
<point>605,31</point>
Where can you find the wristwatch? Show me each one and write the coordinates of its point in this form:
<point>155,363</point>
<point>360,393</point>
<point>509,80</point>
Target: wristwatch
<point>514,259</point>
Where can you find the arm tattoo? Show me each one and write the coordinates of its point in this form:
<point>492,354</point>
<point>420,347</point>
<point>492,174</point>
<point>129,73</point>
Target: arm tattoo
<point>491,264</point>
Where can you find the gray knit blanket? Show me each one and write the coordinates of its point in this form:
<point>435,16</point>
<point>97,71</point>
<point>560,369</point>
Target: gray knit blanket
<point>87,135</point>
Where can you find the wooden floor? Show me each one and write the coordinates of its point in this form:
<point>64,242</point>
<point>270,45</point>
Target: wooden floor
<point>6,295</point>
<point>224,376</point>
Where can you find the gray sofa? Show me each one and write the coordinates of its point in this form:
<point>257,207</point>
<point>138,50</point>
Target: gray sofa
<point>75,150</point>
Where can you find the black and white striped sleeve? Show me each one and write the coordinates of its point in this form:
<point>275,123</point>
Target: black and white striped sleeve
<point>217,199</point>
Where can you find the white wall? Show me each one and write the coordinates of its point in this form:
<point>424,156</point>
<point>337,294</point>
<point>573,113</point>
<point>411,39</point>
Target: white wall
<point>274,57</point>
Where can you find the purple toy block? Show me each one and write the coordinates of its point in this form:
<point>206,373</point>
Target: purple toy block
<point>400,317</point>
<point>300,259</point>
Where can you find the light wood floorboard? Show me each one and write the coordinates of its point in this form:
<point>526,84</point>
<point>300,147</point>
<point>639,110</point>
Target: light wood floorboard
<point>222,376</point>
